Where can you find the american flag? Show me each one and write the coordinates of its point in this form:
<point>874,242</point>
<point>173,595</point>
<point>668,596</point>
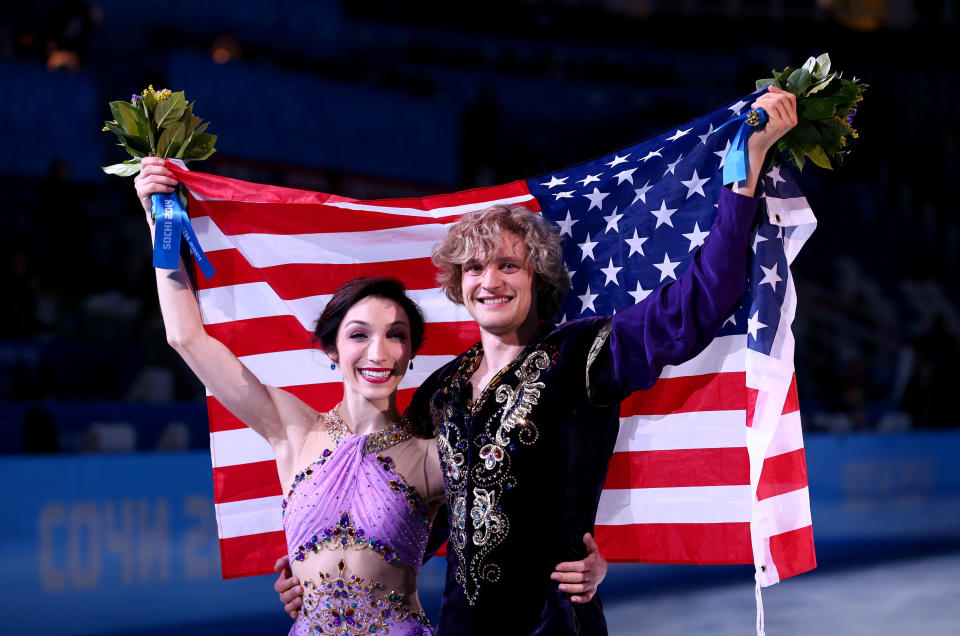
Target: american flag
<point>709,464</point>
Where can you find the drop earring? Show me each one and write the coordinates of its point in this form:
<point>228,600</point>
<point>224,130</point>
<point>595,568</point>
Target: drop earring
<point>333,366</point>
<point>411,365</point>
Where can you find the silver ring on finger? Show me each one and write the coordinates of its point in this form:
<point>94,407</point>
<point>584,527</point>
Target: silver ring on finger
<point>586,579</point>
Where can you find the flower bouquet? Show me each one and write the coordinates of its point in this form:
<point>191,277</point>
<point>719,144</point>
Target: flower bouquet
<point>162,124</point>
<point>158,124</point>
<point>826,105</point>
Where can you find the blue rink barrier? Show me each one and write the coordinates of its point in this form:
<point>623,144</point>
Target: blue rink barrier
<point>123,544</point>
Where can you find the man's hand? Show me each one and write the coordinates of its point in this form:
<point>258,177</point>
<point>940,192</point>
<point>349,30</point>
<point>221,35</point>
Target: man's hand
<point>288,587</point>
<point>781,108</point>
<point>581,578</point>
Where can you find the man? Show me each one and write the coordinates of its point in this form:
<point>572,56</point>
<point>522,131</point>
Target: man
<point>527,419</point>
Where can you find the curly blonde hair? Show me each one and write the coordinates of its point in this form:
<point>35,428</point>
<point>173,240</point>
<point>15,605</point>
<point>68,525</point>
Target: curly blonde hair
<point>481,232</point>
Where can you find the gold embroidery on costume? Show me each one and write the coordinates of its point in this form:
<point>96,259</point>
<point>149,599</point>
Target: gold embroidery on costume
<point>491,476</point>
<point>341,605</point>
<point>376,441</point>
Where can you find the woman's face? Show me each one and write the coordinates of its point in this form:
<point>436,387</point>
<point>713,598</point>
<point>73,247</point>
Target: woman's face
<point>373,347</point>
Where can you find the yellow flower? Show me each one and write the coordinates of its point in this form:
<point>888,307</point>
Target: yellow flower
<point>165,93</point>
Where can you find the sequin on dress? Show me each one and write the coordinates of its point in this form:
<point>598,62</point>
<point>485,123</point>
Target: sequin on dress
<point>349,504</point>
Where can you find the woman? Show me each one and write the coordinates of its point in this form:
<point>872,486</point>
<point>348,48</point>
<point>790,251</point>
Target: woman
<point>364,486</point>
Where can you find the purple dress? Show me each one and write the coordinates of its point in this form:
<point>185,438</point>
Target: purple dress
<point>352,519</point>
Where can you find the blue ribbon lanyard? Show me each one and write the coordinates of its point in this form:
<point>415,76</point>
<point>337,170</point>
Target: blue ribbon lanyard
<point>172,223</point>
<point>735,163</point>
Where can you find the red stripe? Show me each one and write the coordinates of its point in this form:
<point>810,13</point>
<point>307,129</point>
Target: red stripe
<point>237,217</point>
<point>285,333</point>
<point>782,473</point>
<point>298,280</point>
<point>251,554</point>
<point>262,335</point>
<point>698,543</point>
<point>793,552</point>
<point>210,185</point>
<point>246,481</point>
<point>679,468</point>
<point>323,397</point>
<point>449,338</point>
<point>751,404</point>
<point>214,186</point>
<point>465,197</point>
<point>708,392</point>
<point>792,403</point>
<point>320,397</point>
<point>220,418</point>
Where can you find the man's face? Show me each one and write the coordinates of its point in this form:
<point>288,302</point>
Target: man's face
<point>498,292</point>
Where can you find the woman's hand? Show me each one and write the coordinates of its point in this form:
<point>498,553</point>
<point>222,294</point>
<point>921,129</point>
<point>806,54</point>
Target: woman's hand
<point>153,178</point>
<point>581,578</point>
<point>288,587</point>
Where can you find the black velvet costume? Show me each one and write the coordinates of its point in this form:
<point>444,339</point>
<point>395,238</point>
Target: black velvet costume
<point>525,464</point>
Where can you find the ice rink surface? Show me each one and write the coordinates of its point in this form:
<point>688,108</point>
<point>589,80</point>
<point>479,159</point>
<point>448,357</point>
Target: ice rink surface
<point>918,596</point>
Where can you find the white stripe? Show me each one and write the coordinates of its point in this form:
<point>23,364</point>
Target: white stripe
<point>724,354</point>
<point>251,516</point>
<point>210,237</point>
<point>312,366</point>
<point>677,431</point>
<point>333,248</point>
<point>699,504</point>
<point>239,446</point>
<point>792,211</point>
<point>258,300</point>
<point>783,513</point>
<point>788,437</point>
<point>436,212</point>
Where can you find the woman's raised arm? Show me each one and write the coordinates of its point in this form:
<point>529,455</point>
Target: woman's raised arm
<point>281,418</point>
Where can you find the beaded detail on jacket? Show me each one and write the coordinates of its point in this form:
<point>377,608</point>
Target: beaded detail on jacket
<point>477,470</point>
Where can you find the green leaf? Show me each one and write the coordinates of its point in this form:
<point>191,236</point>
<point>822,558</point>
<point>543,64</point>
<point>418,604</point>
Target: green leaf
<point>175,132</point>
<point>770,81</point>
<point>847,92</point>
<point>170,109</point>
<point>797,158</point>
<point>805,133</point>
<point>832,129</point>
<point>134,151</point>
<point>820,84</point>
<point>810,66</point>
<point>200,147</point>
<point>799,81</point>
<point>125,169</point>
<point>823,65</point>
<point>131,119</point>
<point>129,141</point>
<point>819,157</point>
<point>816,108</point>
<point>150,101</point>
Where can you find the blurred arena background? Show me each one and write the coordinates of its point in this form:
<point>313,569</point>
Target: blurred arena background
<point>103,433</point>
